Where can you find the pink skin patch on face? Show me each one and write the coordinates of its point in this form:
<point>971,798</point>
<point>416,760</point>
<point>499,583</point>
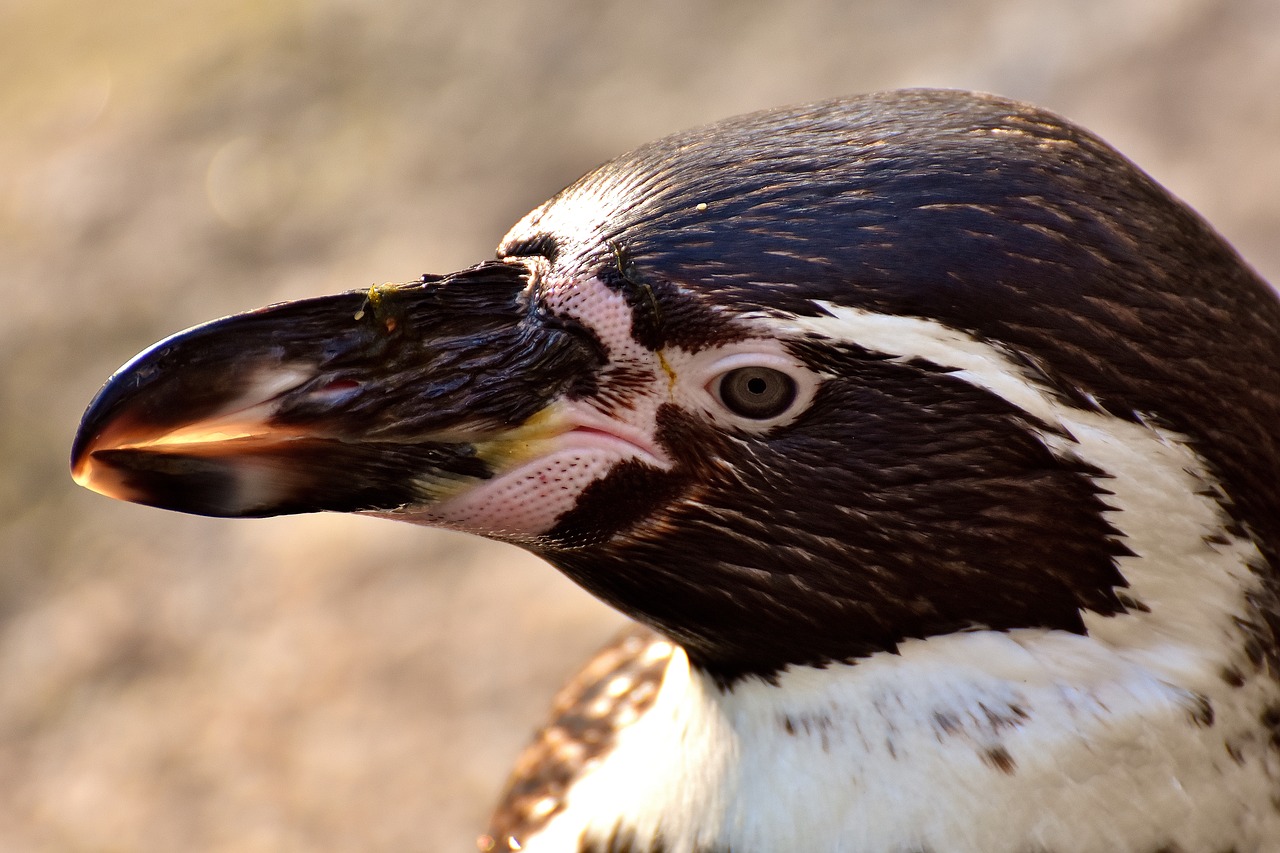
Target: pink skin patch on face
<point>527,501</point>
<point>542,474</point>
<point>543,467</point>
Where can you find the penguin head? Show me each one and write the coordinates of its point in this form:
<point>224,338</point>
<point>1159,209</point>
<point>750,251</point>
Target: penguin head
<point>791,388</point>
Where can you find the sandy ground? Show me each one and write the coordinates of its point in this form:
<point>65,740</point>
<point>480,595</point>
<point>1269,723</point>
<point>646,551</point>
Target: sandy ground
<point>332,683</point>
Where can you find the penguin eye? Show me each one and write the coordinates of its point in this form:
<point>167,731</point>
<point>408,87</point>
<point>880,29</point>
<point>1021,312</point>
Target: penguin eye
<point>756,392</point>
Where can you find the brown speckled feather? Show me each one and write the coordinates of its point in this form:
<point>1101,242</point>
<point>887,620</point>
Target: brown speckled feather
<point>611,692</point>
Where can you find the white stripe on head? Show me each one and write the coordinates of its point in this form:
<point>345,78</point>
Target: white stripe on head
<point>1158,487</point>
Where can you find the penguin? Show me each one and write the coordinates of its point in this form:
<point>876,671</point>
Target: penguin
<point>931,445</point>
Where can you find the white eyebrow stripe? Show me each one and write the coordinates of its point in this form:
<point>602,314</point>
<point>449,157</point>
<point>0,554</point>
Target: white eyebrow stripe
<point>1159,488</point>
<point>980,364</point>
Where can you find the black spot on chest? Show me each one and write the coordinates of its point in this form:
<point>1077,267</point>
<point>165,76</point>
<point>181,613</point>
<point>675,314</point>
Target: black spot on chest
<point>999,758</point>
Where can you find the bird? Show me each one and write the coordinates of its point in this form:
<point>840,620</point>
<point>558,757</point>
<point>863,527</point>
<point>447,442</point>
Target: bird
<point>930,444</point>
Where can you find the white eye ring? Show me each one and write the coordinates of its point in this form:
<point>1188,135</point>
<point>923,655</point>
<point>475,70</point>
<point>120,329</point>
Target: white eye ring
<point>756,389</point>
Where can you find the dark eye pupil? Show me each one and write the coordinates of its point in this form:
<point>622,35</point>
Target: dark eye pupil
<point>757,392</point>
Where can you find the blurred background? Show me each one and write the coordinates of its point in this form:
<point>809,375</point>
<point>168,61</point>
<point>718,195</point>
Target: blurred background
<point>332,683</point>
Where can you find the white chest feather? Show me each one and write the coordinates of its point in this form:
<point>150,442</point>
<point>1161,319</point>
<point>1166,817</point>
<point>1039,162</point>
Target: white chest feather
<point>979,742</point>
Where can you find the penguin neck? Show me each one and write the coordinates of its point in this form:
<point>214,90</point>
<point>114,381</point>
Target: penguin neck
<point>983,741</point>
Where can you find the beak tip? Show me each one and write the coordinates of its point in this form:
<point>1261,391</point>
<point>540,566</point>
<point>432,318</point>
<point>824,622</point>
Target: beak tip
<point>83,470</point>
<point>81,448</point>
<point>80,472</point>
<point>90,471</point>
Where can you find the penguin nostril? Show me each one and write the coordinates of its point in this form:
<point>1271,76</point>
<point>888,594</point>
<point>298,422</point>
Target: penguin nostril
<point>336,389</point>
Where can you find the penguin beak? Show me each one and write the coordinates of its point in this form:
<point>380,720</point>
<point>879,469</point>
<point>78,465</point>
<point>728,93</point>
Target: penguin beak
<point>379,401</point>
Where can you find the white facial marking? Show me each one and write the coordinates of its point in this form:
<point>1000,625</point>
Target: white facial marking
<point>1155,479</point>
